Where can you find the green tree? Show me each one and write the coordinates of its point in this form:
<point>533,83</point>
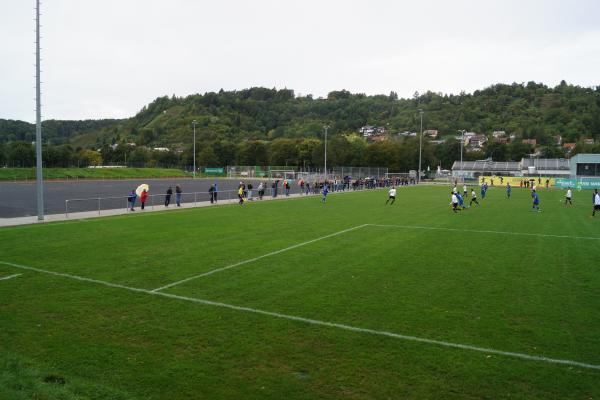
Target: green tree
<point>207,157</point>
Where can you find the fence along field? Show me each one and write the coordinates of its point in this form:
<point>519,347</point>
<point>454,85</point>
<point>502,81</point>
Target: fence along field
<point>301,298</point>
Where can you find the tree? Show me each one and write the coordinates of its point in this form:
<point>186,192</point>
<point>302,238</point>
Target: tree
<point>283,152</point>
<point>91,157</point>
<point>253,152</point>
<point>207,157</point>
<point>21,154</point>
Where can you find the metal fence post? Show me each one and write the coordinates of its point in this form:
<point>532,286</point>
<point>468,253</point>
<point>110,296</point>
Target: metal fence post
<point>66,208</point>
<point>195,199</point>
<point>98,205</point>
<point>152,201</point>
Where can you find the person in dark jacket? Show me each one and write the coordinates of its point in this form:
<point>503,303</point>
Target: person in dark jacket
<point>168,196</point>
<point>178,192</point>
<point>211,193</point>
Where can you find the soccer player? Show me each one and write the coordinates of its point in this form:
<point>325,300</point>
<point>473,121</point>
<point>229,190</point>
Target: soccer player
<point>325,191</point>
<point>536,201</point>
<point>596,202</point>
<point>461,201</point>
<point>392,195</point>
<point>568,197</point>
<point>483,190</point>
<point>464,190</point>
<point>473,198</point>
<point>508,190</point>
<point>454,202</point>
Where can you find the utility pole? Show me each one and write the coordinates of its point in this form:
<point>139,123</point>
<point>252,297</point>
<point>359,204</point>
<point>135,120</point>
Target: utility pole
<point>462,142</point>
<point>326,128</point>
<point>38,119</point>
<point>420,146</point>
<point>194,124</point>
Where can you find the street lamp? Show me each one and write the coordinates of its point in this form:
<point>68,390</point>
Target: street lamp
<point>462,142</point>
<point>326,128</point>
<point>194,124</point>
<point>420,146</point>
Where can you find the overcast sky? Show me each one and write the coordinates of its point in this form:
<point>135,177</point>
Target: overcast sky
<point>108,58</point>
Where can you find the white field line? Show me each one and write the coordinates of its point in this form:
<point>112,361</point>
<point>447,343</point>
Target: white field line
<point>9,277</point>
<point>316,322</point>
<point>484,231</point>
<point>258,258</point>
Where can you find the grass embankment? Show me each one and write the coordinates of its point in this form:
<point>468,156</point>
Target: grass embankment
<point>21,174</point>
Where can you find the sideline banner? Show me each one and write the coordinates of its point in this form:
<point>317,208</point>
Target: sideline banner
<point>589,183</point>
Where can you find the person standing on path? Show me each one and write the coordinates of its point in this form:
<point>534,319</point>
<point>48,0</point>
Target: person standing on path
<point>178,192</point>
<point>215,192</point>
<point>131,199</point>
<point>143,198</point>
<point>250,187</point>
<point>261,190</point>
<point>168,196</point>
<point>211,193</point>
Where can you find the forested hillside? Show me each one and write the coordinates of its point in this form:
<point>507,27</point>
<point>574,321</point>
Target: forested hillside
<point>269,126</point>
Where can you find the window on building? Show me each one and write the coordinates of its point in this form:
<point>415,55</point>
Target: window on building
<point>588,169</point>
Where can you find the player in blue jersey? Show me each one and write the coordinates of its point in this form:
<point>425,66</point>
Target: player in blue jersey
<point>536,201</point>
<point>461,201</point>
<point>508,190</point>
<point>325,192</point>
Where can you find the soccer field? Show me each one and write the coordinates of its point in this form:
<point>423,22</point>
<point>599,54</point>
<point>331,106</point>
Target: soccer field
<point>297,299</point>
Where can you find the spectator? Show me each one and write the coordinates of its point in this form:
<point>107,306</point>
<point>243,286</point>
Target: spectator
<point>143,198</point>
<point>178,192</point>
<point>216,192</point>
<point>211,193</point>
<point>131,199</point>
<point>168,196</point>
<point>250,187</point>
<point>261,190</point>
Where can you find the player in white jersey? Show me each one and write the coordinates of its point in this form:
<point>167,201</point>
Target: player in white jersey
<point>391,196</point>
<point>568,197</point>
<point>454,202</point>
<point>596,202</point>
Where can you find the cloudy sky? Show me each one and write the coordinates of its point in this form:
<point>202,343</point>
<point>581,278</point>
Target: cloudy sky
<point>106,59</point>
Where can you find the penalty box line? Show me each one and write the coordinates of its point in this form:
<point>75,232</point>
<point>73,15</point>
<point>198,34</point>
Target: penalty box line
<point>483,231</point>
<point>257,258</point>
<point>409,338</point>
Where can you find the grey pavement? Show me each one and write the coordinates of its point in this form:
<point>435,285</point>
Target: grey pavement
<point>5,222</point>
<point>19,199</point>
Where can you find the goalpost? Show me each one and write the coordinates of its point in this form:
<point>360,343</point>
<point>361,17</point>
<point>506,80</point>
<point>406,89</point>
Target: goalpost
<point>282,174</point>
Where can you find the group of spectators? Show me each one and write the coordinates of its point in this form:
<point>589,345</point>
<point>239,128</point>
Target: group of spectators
<point>132,198</point>
<point>245,191</point>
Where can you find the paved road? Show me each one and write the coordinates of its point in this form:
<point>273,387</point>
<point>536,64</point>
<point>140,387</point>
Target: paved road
<point>19,199</point>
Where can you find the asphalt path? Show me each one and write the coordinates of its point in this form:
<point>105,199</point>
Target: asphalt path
<point>19,199</point>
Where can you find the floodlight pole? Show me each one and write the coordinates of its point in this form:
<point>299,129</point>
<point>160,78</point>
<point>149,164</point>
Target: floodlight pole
<point>462,142</point>
<point>420,146</point>
<point>326,128</point>
<point>194,124</point>
<point>38,119</point>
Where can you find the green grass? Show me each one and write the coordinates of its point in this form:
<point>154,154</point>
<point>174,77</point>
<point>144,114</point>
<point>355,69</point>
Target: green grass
<point>535,295</point>
<point>11,174</point>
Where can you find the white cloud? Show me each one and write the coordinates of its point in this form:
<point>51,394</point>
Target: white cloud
<point>109,58</point>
